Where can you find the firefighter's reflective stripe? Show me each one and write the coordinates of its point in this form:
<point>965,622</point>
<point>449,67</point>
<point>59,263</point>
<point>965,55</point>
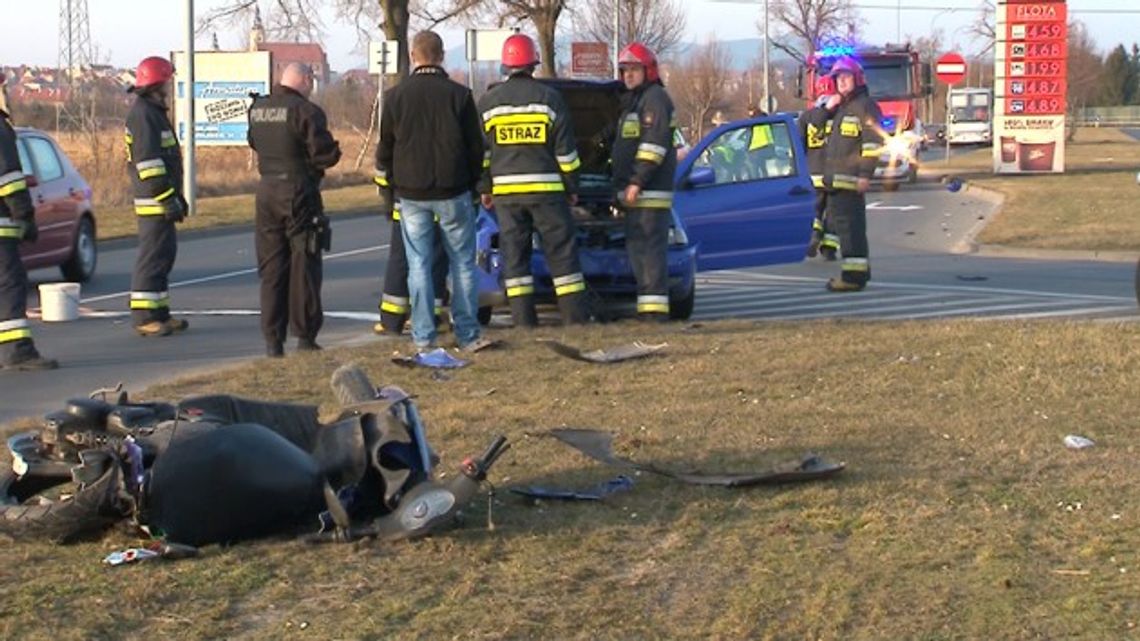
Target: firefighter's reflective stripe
<point>817,181</point>
<point>650,152</point>
<point>14,330</point>
<point>487,159</point>
<point>10,228</point>
<point>761,137</point>
<point>817,224</point>
<point>149,207</point>
<point>569,162</point>
<point>569,284</point>
<point>652,304</point>
<point>439,308</point>
<point>856,265</point>
<point>167,139</point>
<point>872,150</point>
<point>844,181</point>
<point>151,168</point>
<point>394,304</point>
<point>526,184</point>
<point>521,286</point>
<point>12,182</point>
<point>381,178</point>
<point>830,241</point>
<point>150,300</point>
<point>651,199</point>
<point>518,114</point>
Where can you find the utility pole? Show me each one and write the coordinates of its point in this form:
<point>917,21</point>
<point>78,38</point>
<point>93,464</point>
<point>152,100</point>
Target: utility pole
<point>75,54</point>
<point>188,156</point>
<point>617,36</point>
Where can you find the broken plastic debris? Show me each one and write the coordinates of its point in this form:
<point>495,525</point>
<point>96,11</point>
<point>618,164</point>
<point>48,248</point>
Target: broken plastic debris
<point>438,358</point>
<point>599,446</point>
<point>626,352</point>
<point>619,483</point>
<point>129,555</point>
<point>1074,442</point>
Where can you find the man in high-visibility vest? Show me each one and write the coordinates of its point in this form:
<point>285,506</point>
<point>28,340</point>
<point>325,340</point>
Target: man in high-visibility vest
<point>17,224</point>
<point>154,162</point>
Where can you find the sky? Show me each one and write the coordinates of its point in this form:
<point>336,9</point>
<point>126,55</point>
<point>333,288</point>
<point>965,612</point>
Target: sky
<point>123,34</point>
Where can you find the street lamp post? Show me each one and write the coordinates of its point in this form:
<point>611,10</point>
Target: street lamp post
<point>188,176</point>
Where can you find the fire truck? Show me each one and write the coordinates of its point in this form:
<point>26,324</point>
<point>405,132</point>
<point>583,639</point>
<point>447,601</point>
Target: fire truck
<point>897,81</point>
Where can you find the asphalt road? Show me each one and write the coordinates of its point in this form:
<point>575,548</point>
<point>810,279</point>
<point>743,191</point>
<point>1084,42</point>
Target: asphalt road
<point>917,274</point>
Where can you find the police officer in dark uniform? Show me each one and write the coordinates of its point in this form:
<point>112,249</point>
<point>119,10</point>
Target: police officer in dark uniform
<point>644,161</point>
<point>294,149</point>
<point>17,224</point>
<point>815,127</point>
<point>395,304</point>
<point>530,178</point>
<point>154,162</point>
<point>850,155</point>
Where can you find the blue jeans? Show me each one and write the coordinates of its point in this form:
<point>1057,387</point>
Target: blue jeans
<point>457,222</point>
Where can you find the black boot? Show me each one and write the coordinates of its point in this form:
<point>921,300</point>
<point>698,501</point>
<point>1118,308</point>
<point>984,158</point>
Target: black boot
<point>307,345</point>
<point>522,311</point>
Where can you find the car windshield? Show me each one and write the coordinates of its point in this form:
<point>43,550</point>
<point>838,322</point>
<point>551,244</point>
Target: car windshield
<point>972,107</point>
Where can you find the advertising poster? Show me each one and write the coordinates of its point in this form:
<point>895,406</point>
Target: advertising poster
<point>1030,86</point>
<point>223,82</point>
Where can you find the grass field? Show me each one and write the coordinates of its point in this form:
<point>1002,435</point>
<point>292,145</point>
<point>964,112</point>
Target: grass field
<point>1089,207</point>
<point>960,516</point>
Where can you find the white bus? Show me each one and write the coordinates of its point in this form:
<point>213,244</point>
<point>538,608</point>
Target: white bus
<point>970,115</point>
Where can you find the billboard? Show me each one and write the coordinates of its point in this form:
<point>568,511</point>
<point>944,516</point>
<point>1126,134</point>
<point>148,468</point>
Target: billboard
<point>1030,86</point>
<point>590,60</point>
<point>223,82</point>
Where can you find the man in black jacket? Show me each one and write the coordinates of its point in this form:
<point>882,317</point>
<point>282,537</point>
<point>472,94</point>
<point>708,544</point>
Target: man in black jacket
<point>154,162</point>
<point>430,153</point>
<point>17,224</point>
<point>294,149</point>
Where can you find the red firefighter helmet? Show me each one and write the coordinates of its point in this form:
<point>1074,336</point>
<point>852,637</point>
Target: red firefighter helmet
<point>825,86</point>
<point>636,53</point>
<point>847,64</point>
<point>519,51</point>
<point>154,70</point>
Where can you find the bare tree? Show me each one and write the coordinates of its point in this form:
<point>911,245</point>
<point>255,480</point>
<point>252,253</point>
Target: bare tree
<point>658,24</point>
<point>1085,72</point>
<point>984,26</point>
<point>296,19</point>
<point>701,84</point>
<point>809,23</point>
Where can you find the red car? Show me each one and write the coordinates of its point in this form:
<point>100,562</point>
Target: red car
<point>64,215</point>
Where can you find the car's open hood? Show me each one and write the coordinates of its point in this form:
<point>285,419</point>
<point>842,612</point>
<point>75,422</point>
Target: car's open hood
<point>594,107</point>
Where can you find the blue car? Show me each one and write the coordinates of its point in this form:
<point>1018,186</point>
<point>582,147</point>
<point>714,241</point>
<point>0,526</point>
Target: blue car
<point>744,198</point>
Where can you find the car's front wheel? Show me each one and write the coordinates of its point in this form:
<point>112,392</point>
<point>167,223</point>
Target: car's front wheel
<point>80,266</point>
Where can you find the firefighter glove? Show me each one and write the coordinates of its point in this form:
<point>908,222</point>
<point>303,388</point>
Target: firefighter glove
<point>176,209</point>
<point>30,232</point>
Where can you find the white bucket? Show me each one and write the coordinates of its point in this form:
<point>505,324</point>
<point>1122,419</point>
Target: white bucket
<point>59,301</point>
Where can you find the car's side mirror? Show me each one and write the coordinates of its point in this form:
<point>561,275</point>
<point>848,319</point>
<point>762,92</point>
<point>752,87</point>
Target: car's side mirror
<point>31,180</point>
<point>700,176</point>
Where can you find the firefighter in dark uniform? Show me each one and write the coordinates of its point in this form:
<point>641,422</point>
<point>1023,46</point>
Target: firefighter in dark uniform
<point>154,161</point>
<point>395,304</point>
<point>644,160</point>
<point>530,177</point>
<point>17,224</point>
<point>294,149</point>
<point>815,127</point>
<point>850,155</point>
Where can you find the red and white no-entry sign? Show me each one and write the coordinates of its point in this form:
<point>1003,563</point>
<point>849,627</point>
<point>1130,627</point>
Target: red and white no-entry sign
<point>950,68</point>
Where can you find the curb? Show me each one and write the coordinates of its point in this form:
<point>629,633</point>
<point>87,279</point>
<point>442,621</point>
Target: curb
<point>969,245</point>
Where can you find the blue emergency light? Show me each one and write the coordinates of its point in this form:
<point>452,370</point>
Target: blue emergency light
<point>888,123</point>
<point>835,51</point>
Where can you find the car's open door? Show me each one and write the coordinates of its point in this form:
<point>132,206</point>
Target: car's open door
<point>745,196</point>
